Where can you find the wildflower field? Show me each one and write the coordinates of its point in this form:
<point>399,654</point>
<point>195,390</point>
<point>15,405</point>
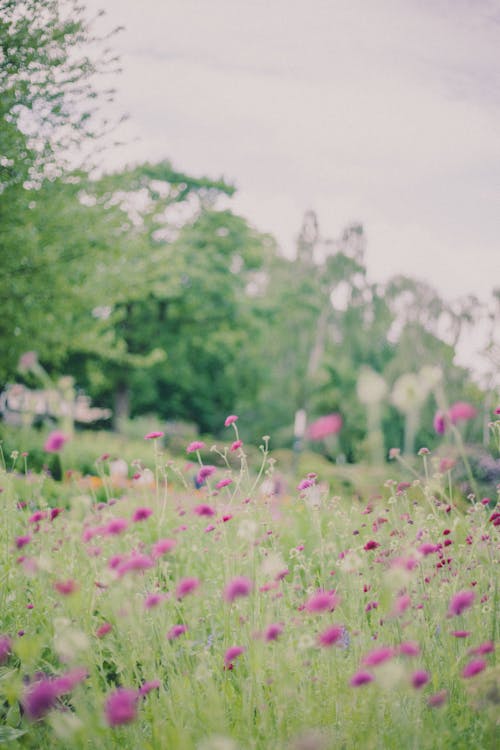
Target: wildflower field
<point>223,617</point>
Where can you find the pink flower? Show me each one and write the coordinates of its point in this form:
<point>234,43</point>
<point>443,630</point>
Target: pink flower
<point>22,541</point>
<point>273,631</point>
<point>371,545</point>
<point>141,514</point>
<point>237,444</point>
<point>378,656</point>
<point>152,600</point>
<point>230,420</point>
<point>401,604</point>
<point>223,483</point>
<point>461,412</point>
<point>37,516</point>
<point>427,548</point>
<point>409,648</point>
<point>204,510</point>
<point>305,484</point>
<point>473,668</point>
<point>330,636</point>
<point>103,629</point>
<point>322,601</point>
<point>196,445</point>
<point>136,562</point>
<point>437,699</point>
<point>41,696</point>
<point>162,546</point>
<point>231,654</point>
<point>204,473</point>
<point>121,707</point>
<point>461,633</point>
<point>147,687</point>
<point>66,587</point>
<point>175,631</point>
<point>5,647</point>
<point>115,526</point>
<point>461,601</point>
<point>440,423</point>
<point>239,586</point>
<point>55,441</point>
<point>153,435</point>
<point>419,678</point>
<point>186,586</point>
<point>360,678</point>
<point>487,647</point>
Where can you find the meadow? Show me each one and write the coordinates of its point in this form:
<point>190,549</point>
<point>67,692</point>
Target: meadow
<point>196,605</point>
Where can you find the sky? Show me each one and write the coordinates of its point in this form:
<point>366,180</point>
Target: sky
<point>385,112</point>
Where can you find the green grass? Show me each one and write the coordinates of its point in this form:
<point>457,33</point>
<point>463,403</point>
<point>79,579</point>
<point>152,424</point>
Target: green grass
<point>287,693</point>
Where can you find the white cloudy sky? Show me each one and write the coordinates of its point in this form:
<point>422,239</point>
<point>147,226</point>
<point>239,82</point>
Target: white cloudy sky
<point>382,111</point>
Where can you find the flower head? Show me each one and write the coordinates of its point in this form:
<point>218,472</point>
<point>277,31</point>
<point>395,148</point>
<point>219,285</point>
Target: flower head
<point>175,631</point>
<point>378,656</point>
<point>330,636</point>
<point>231,654</point>
<point>273,631</point>
<point>419,678</point>
<point>55,441</point>
<point>162,546</point>
<point>461,601</point>
<point>153,435</point>
<point>473,668</point>
<point>360,678</point>
<point>121,707</point>
<point>322,601</point>
<point>140,514</point>
<point>186,586</point>
<point>204,473</point>
<point>231,419</point>
<point>196,445</point>
<point>239,586</point>
<point>5,646</point>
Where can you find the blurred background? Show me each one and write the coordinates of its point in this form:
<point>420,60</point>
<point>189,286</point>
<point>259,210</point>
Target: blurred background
<point>283,210</point>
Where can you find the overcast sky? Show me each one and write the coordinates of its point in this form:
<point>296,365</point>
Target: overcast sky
<point>382,111</point>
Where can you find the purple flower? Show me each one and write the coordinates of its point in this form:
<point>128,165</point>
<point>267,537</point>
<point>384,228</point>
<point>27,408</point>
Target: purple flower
<point>55,441</point>
<point>360,678</point>
<point>204,473</point>
<point>135,562</point>
<point>419,678</point>
<point>121,707</point>
<point>322,601</point>
<point>175,631</point>
<point>5,646</point>
<point>186,586</point>
<point>115,526</point>
<point>378,656</point>
<point>223,483</point>
<point>461,601</point>
<point>39,698</point>
<point>331,635</point>
<point>196,445</point>
<point>162,546</point>
<point>204,510</point>
<point>239,586</point>
<point>141,514</point>
<point>273,631</point>
<point>440,423</point>
<point>473,668</point>
<point>231,654</point>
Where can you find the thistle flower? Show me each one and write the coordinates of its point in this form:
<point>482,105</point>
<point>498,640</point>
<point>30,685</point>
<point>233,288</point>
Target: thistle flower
<point>438,699</point>
<point>237,444</point>
<point>153,435</point>
<point>175,631</point>
<point>140,514</point>
<point>322,601</point>
<point>378,656</point>
<point>419,678</point>
<point>162,546</point>
<point>360,678</point>
<point>121,707</point>
<point>186,586</point>
<point>147,687</point>
<point>273,631</point>
<point>204,473</point>
<point>461,601</point>
<point>231,419</point>
<point>55,441</point>
<point>330,636</point>
<point>115,526</point>
<point>196,445</point>
<point>231,654</point>
<point>103,629</point>
<point>473,668</point>
<point>239,586</point>
<point>204,510</point>
<point>223,483</point>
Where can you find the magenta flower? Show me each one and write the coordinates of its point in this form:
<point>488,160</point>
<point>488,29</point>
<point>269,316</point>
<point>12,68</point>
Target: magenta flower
<point>115,526</point>
<point>239,586</point>
<point>196,445</point>
<point>55,441</point>
<point>401,604</point>
<point>440,423</point>
<point>427,548</point>
<point>153,435</point>
<point>378,656</point>
<point>103,629</point>
<point>175,631</point>
<point>66,587</point>
<point>461,412</point>
<point>22,541</point>
<point>141,514</point>
<point>5,647</point>
<point>152,600</point>
<point>162,546</point>
<point>461,601</point>
<point>223,483</point>
<point>186,586</point>
<point>39,697</point>
<point>371,544</point>
<point>147,687</point>
<point>461,633</point>
<point>409,648</point>
<point>305,484</point>
<point>204,473</point>
<point>322,601</point>
<point>37,516</point>
<point>487,647</point>
<point>121,707</point>
<point>330,636</point>
<point>231,654</point>
<point>473,668</point>
<point>65,683</point>
<point>419,678</point>
<point>204,510</point>
<point>135,562</point>
<point>273,631</point>
<point>360,678</point>
<point>230,420</point>
<point>438,699</point>
<point>237,444</point>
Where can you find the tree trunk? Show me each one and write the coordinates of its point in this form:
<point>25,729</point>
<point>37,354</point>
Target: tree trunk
<point>121,411</point>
